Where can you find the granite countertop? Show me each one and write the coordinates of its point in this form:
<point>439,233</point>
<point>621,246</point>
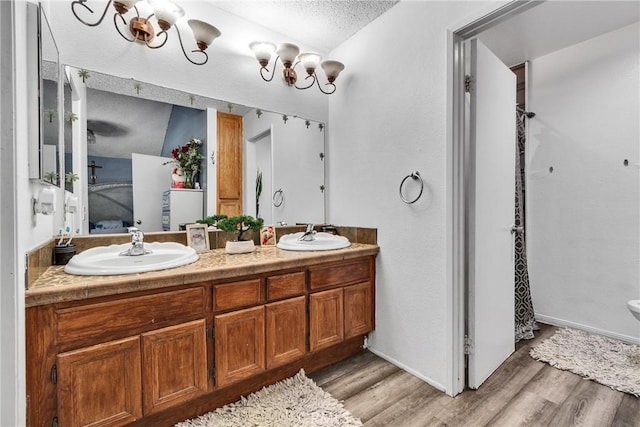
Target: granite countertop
<point>55,286</point>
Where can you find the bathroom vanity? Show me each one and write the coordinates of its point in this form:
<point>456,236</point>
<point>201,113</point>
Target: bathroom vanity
<point>160,347</point>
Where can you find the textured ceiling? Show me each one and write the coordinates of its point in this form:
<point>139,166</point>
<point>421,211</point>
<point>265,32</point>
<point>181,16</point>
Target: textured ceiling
<point>554,25</point>
<point>322,24</point>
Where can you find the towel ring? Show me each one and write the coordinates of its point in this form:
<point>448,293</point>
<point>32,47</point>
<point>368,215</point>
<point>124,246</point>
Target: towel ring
<point>416,177</point>
<point>278,198</point>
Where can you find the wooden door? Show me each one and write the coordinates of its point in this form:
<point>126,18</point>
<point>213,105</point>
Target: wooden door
<point>100,385</point>
<point>492,127</point>
<point>239,344</point>
<point>358,310</point>
<point>229,164</point>
<point>286,331</point>
<point>326,319</point>
<point>174,365</point>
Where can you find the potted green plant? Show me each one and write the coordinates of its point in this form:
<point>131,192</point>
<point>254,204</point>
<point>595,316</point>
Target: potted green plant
<point>239,224</point>
<point>71,177</point>
<point>212,221</point>
<point>51,178</point>
<point>50,113</point>
<point>70,118</point>
<point>84,75</point>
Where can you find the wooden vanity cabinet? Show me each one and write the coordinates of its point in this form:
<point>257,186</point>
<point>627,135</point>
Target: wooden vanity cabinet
<point>174,367</point>
<point>345,310</point>
<point>157,357</point>
<point>286,331</point>
<point>239,345</point>
<point>251,340</point>
<point>100,385</point>
<point>358,309</point>
<point>122,359</point>
<point>326,319</point>
<point>117,382</point>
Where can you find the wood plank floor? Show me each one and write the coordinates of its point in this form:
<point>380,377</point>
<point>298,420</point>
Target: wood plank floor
<point>522,392</point>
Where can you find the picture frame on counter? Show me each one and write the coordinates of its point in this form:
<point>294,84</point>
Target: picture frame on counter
<point>198,237</point>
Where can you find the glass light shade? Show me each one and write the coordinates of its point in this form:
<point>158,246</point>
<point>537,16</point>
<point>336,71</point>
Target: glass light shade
<point>263,51</point>
<point>166,11</point>
<point>332,69</point>
<point>203,32</point>
<point>287,52</point>
<point>309,61</point>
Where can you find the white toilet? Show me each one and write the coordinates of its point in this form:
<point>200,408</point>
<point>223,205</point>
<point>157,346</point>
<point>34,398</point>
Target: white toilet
<point>634,307</point>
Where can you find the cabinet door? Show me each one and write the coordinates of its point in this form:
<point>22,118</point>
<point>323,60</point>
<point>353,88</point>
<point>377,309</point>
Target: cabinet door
<point>100,385</point>
<point>239,344</point>
<point>174,365</point>
<point>286,331</point>
<point>229,166</point>
<point>358,310</point>
<point>326,317</point>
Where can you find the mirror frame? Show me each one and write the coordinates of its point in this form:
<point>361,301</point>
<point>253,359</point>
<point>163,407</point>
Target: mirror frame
<point>37,27</point>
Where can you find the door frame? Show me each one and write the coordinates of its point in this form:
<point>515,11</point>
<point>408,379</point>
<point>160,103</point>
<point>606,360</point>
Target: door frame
<point>459,183</point>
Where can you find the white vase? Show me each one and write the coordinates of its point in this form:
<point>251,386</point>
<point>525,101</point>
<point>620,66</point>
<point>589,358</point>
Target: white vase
<point>239,246</point>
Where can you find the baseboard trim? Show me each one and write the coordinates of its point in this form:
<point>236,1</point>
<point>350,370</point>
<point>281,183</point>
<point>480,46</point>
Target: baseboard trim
<point>568,324</point>
<point>404,367</point>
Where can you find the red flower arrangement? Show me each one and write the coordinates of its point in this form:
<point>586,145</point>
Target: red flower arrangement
<point>187,159</point>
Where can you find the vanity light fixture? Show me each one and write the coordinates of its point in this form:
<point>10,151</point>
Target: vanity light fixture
<point>165,12</point>
<point>290,56</point>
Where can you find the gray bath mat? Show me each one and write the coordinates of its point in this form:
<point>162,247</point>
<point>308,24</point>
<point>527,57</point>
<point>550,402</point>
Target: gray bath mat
<point>294,402</point>
<point>604,360</point>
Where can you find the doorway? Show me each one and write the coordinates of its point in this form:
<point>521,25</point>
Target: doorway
<point>461,178</point>
<point>461,197</point>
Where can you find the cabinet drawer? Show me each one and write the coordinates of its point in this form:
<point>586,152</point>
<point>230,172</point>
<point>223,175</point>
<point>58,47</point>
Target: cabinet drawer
<point>345,273</point>
<point>285,285</point>
<point>117,317</point>
<point>237,294</point>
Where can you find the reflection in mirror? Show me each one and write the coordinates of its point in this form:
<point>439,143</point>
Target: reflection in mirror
<point>44,161</point>
<point>286,155</point>
<point>128,119</point>
<point>68,119</point>
<point>50,123</point>
<point>126,133</point>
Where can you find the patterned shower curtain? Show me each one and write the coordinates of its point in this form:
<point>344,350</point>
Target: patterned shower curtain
<point>524,315</point>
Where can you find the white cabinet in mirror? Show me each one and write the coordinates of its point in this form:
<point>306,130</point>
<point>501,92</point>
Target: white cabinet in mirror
<point>128,118</point>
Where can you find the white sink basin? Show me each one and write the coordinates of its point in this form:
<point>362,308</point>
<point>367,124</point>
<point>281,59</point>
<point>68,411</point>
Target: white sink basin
<point>321,242</point>
<point>634,307</point>
<point>106,260</point>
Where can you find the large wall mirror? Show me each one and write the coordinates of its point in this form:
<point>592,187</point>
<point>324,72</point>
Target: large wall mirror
<point>44,149</point>
<point>132,126</point>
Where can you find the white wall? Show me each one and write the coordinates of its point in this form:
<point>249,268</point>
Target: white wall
<point>582,220</point>
<point>387,119</point>
<point>16,230</point>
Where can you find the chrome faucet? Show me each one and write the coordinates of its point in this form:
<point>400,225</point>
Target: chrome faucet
<point>137,243</point>
<point>308,235</point>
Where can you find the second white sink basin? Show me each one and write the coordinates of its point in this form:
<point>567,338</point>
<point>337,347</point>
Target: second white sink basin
<point>106,260</point>
<point>321,242</point>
